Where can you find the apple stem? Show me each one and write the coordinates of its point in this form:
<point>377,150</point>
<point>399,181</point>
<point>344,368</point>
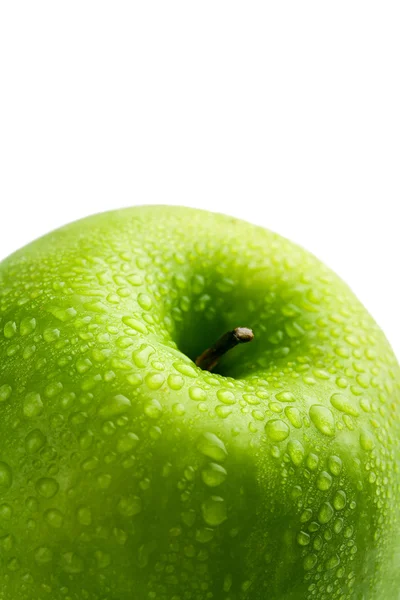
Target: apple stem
<point>210,357</point>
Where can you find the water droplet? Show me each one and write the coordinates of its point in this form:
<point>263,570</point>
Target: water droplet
<point>89,464</point>
<point>277,430</point>
<point>213,475</point>
<point>154,380</point>
<point>145,301</point>
<point>223,411</point>
<point>84,515</point>
<point>312,461</point>
<point>175,382</point>
<point>309,562</point>
<point>5,476</point>
<point>47,487</point>
<point>27,326</point>
<point>285,397</point>
<point>338,526</point>
<point>72,563</point>
<point>303,538</point>
<point>185,369</point>
<point>323,420</point>
<point>104,481</point>
<point>226,397</point>
<point>43,555</point>
<point>333,562</point>
<point>10,329</point>
<point>51,334</point>
<point>335,465</point>
<point>197,394</point>
<point>115,406</point>
<point>344,404</point>
<point>5,392</point>
<point>214,511</point>
<point>6,512</point>
<point>134,324</point>
<point>153,409</point>
<point>34,441</point>
<point>126,443</point>
<point>210,445</point>
<point>294,416</point>
<point>306,515</point>
<point>53,389</point>
<point>325,513</point>
<point>367,441</point>
<point>62,314</point>
<point>33,405</point>
<point>128,506</point>
<point>324,481</point>
<point>296,452</point>
<point>142,355</point>
<point>103,559</point>
<point>54,518</point>
<point>339,500</point>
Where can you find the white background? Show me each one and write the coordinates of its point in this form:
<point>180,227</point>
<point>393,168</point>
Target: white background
<point>286,114</point>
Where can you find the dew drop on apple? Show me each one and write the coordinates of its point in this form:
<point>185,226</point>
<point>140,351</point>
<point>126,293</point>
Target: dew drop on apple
<point>325,513</point>
<point>72,563</point>
<point>344,404</point>
<point>212,446</point>
<point>214,510</point>
<point>296,452</point>
<point>340,500</point>
<point>294,416</point>
<point>90,463</point>
<point>5,392</point>
<point>285,397</point>
<point>323,419</point>
<point>153,409</point>
<point>5,476</point>
<point>142,355</point>
<point>128,506</point>
<point>175,382</point>
<point>154,380</point>
<point>226,397</point>
<point>335,465</point>
<point>367,441</point>
<point>54,518</point>
<point>189,517</point>
<point>115,406</point>
<point>47,487</point>
<point>324,481</point>
<point>27,326</point>
<point>43,555</point>
<point>6,511</point>
<point>213,475</point>
<point>104,481</point>
<point>277,430</point>
<point>34,441</point>
<point>332,562</point>
<point>338,526</point>
<point>303,538</point>
<point>103,559</point>
<point>197,394</point>
<point>10,329</point>
<point>185,369</point>
<point>84,515</point>
<point>223,411</point>
<point>306,515</point>
<point>309,562</point>
<point>32,405</point>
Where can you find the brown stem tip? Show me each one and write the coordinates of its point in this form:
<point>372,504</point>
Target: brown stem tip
<point>227,341</point>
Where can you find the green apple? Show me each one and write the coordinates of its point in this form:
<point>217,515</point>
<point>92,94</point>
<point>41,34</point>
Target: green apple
<point>129,472</point>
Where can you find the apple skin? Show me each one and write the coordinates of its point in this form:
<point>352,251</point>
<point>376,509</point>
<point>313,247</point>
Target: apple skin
<point>128,472</point>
